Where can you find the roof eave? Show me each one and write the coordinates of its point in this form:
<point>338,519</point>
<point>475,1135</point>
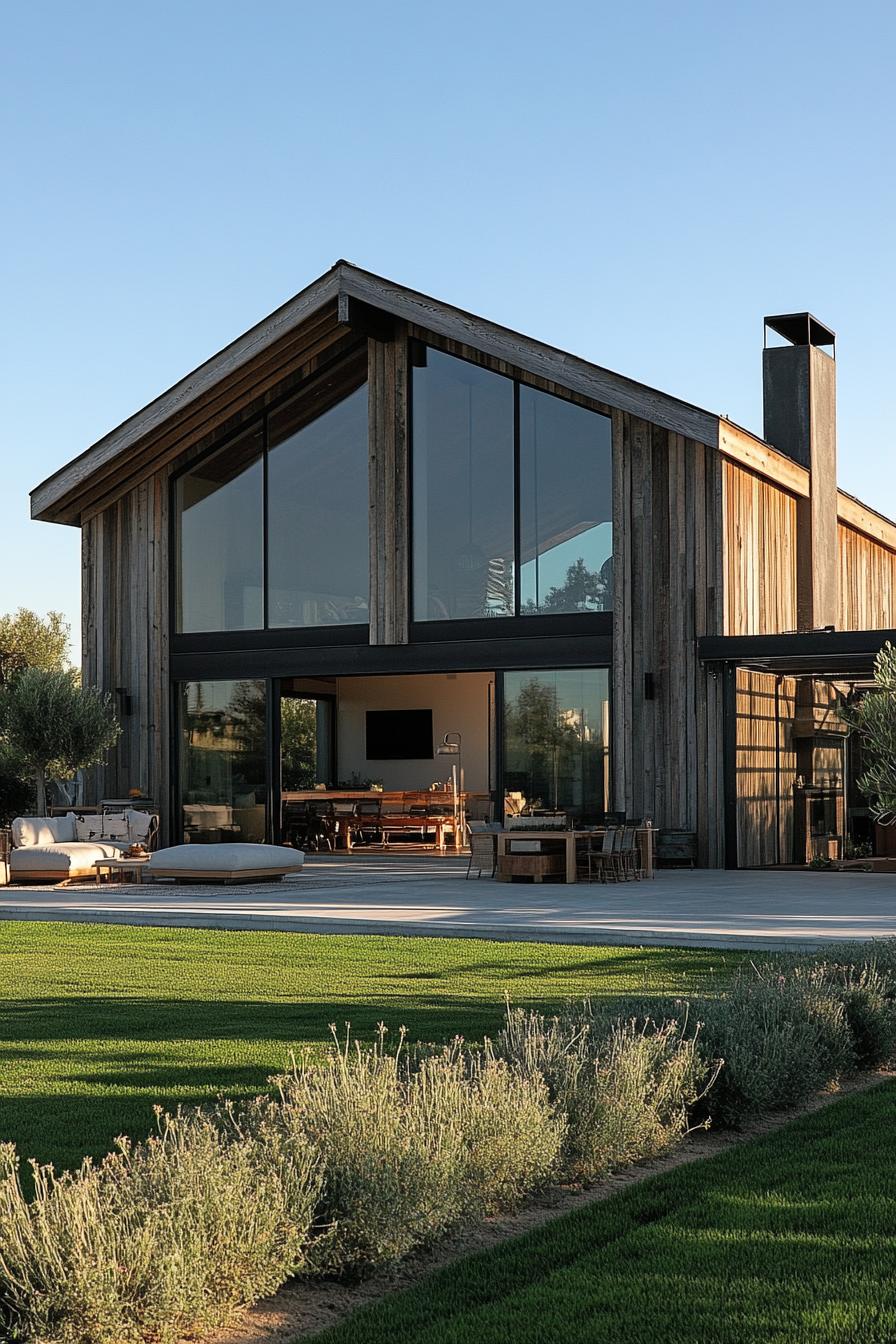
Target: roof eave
<point>52,500</point>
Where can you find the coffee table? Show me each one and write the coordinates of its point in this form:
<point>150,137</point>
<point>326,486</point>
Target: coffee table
<point>121,865</point>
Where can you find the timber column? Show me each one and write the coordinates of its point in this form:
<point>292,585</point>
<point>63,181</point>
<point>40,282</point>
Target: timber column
<point>799,389</point>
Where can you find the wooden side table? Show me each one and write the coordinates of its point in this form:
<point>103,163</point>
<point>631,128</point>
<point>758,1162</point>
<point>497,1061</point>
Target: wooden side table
<point>121,865</point>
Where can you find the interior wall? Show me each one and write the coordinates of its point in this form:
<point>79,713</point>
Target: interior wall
<point>459,703</point>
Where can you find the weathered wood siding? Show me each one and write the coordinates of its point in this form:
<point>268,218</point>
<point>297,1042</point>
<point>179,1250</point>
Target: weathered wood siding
<point>867,582</point>
<point>387,391</point>
<point>124,546</point>
<point>766,767</point>
<point>125,634</point>
<point>759,554</point>
<point>667,751</point>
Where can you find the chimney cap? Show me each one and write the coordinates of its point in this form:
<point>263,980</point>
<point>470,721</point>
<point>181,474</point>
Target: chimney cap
<point>799,329</point>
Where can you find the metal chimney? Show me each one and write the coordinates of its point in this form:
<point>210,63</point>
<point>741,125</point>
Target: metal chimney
<point>799,389</point>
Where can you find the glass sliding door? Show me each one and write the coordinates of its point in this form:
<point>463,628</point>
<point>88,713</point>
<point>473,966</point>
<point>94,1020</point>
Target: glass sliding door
<point>223,761</point>
<point>556,740</point>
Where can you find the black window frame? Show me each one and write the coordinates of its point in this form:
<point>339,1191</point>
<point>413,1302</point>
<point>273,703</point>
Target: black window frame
<point>491,627</point>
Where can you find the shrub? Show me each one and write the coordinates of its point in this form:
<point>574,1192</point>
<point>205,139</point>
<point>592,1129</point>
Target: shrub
<point>868,996</point>
<point>870,1009</point>
<point>370,1153</point>
<point>513,1137</point>
<point>16,796</point>
<point>624,1092</point>
<point>408,1146</point>
<point>782,1038</point>
<point>160,1239</point>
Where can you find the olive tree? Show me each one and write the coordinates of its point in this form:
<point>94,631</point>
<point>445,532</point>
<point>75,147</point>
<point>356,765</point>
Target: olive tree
<point>55,725</point>
<point>29,640</point>
<point>873,717</point>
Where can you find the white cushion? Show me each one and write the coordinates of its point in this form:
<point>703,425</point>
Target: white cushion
<point>64,827</point>
<point>228,860</point>
<point>64,859</point>
<point>88,828</point>
<point>43,830</point>
<point>115,827</point>
<point>139,824</point>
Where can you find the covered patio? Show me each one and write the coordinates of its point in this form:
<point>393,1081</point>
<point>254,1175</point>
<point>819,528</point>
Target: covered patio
<point>415,896</point>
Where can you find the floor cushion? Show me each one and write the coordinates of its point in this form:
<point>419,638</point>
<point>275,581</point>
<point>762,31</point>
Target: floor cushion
<point>225,862</point>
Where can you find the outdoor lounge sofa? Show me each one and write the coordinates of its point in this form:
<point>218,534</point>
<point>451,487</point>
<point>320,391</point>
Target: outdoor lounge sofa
<point>59,849</point>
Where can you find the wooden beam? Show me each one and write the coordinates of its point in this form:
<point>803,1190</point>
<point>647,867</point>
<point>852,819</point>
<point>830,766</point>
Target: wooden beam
<point>194,437</point>
<point>185,392</point>
<point>745,449</point>
<point>364,320</point>
<point>865,520</point>
<point>532,356</point>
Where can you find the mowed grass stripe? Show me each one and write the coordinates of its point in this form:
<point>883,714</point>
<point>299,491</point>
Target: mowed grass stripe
<point>98,1022</point>
<point>791,1237</point>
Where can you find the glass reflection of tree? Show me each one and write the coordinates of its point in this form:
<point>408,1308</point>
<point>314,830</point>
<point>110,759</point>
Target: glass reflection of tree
<point>583,589</point>
<point>246,725</point>
<point>298,742</point>
<point>534,720</point>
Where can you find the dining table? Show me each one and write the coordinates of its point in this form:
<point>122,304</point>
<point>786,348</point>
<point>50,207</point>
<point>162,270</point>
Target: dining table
<point>644,836</point>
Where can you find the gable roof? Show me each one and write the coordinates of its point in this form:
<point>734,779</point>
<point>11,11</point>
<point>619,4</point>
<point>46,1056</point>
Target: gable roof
<point>330,304</point>
<point>60,498</point>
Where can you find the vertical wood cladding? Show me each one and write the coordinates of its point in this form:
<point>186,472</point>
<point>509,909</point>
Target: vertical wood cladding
<point>668,587</point>
<point>125,634</point>
<point>387,391</point>
<point>760,554</point>
<point>867,582</point>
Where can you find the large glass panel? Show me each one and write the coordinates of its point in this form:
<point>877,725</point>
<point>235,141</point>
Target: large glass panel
<point>556,740</point>
<point>318,553</point>
<point>566,507</point>
<point>219,536</point>
<point>463,530</point>
<point>306,741</point>
<point>223,761</point>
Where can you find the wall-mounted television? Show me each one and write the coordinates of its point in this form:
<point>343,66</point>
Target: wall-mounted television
<point>399,735</point>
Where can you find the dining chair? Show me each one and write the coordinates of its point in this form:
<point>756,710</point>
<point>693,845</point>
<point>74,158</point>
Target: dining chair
<point>420,812</point>
<point>601,864</point>
<point>628,856</point>
<point>321,825</point>
<point>367,820</point>
<point>483,850</point>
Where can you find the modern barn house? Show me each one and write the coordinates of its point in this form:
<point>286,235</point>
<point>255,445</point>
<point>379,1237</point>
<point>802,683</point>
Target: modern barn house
<point>377,538</point>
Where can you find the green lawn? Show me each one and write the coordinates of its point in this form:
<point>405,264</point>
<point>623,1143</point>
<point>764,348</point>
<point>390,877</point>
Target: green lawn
<point>98,1022</point>
<point>791,1238</point>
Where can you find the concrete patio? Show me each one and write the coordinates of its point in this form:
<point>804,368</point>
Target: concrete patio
<point>425,894</point>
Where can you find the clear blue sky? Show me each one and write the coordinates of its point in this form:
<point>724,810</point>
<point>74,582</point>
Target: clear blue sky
<point>638,184</point>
